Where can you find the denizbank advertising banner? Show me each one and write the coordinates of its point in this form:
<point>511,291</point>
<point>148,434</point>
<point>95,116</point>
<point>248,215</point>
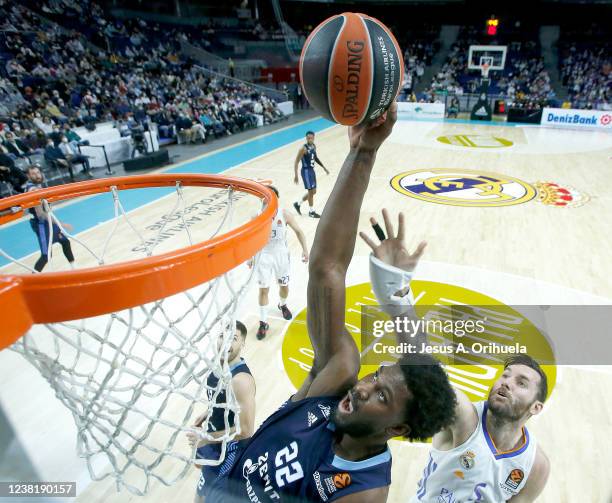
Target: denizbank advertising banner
<point>577,119</point>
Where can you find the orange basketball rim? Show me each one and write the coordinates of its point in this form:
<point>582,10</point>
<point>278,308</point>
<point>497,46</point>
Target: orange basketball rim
<point>76,294</point>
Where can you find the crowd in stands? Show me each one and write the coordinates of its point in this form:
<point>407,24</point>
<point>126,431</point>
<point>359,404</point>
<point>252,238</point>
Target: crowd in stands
<point>586,72</point>
<point>524,82</point>
<point>62,79</point>
<point>420,44</point>
<point>68,63</point>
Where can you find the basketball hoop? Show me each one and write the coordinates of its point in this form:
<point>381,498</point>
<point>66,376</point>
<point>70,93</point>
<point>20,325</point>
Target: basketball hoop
<point>133,368</point>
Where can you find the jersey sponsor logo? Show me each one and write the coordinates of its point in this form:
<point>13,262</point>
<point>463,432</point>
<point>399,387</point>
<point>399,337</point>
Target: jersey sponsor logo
<point>325,410</point>
<point>467,460</point>
<point>342,480</point>
<point>312,419</point>
<point>457,187</point>
<point>515,478</point>
<point>459,474</point>
<point>446,496</point>
<point>329,484</point>
<point>317,478</point>
<point>249,468</point>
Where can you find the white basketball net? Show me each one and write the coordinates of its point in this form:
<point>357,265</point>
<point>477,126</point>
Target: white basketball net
<point>135,380</point>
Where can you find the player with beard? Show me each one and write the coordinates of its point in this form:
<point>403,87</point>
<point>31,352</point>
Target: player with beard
<point>487,454</point>
<point>328,442</point>
<point>243,386</point>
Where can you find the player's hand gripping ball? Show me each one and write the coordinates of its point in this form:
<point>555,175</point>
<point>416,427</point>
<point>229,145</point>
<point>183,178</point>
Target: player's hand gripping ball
<point>351,68</point>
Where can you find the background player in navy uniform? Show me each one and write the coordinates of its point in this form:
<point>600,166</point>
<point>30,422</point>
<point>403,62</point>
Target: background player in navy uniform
<point>308,156</point>
<point>243,386</point>
<point>329,441</point>
<point>40,224</point>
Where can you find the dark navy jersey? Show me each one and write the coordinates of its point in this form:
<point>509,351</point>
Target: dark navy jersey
<point>27,188</point>
<point>217,419</point>
<point>290,459</point>
<point>310,154</point>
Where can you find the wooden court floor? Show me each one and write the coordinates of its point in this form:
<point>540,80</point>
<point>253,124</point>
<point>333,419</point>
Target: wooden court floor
<point>509,244</point>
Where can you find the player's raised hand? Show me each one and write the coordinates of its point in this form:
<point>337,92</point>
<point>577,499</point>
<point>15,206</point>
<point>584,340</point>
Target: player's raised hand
<point>371,135</point>
<point>392,248</point>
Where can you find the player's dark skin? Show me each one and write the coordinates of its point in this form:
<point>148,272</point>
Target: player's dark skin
<point>377,400</point>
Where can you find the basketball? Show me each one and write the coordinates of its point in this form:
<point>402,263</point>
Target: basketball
<point>351,68</point>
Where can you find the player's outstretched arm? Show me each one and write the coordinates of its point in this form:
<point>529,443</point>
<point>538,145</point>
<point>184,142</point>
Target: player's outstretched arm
<point>336,360</point>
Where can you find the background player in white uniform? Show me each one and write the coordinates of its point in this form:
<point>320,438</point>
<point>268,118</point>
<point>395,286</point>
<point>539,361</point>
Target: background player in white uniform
<point>274,261</point>
<point>486,454</point>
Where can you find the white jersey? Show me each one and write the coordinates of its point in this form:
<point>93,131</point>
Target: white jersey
<point>274,259</point>
<point>476,471</point>
<point>278,234</point>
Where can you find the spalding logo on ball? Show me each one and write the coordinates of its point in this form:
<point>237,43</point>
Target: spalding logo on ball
<point>351,68</point>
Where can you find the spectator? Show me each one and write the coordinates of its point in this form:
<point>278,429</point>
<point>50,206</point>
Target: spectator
<point>453,109</point>
<point>15,146</point>
<point>9,173</point>
<point>73,156</point>
<point>55,156</point>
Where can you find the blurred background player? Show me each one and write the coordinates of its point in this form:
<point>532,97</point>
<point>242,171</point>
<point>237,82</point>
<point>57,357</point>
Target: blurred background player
<point>308,156</point>
<point>243,386</point>
<point>40,224</point>
<point>274,260</point>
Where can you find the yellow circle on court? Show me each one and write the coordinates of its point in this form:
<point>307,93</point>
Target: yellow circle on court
<point>505,326</point>
<point>463,187</point>
<point>475,141</point>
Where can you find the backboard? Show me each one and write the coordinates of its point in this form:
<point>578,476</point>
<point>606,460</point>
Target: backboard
<point>494,55</point>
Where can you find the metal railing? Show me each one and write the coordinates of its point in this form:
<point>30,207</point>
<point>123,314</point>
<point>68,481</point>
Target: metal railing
<point>243,69</point>
<point>266,91</point>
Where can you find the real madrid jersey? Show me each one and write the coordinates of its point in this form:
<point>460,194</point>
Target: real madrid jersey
<point>278,234</point>
<point>290,459</point>
<point>476,471</point>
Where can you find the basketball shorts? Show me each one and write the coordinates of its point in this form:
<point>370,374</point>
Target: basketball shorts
<point>273,263</point>
<point>41,229</point>
<point>209,473</point>
<point>309,178</point>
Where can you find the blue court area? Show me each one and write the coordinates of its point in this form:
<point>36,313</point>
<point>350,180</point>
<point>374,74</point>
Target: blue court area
<point>18,240</point>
